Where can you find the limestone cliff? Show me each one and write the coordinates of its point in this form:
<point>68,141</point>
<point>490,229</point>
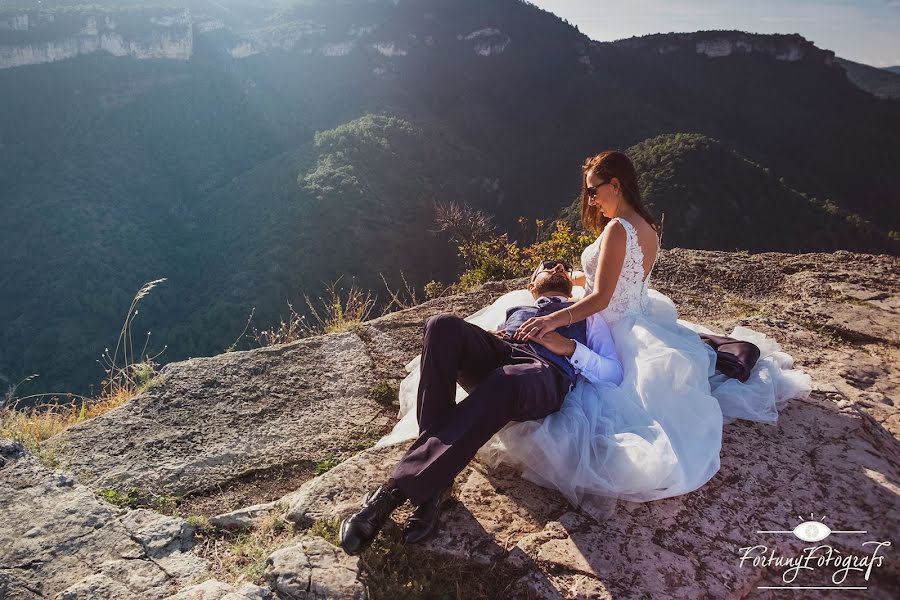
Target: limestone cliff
<point>716,44</point>
<point>40,36</point>
<point>219,432</point>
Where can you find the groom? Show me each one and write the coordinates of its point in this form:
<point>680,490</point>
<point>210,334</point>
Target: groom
<point>506,381</point>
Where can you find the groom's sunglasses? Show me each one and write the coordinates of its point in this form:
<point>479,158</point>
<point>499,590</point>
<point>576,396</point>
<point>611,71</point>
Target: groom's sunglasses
<point>546,265</point>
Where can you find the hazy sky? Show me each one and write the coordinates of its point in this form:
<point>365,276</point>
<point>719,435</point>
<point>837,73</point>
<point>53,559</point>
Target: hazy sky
<point>866,31</point>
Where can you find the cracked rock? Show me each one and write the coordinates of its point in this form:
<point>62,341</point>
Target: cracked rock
<point>58,540</point>
<point>835,454</point>
<point>158,534</point>
<point>313,569</point>
<point>214,589</point>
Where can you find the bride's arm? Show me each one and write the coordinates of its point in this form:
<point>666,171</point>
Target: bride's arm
<point>609,266</point>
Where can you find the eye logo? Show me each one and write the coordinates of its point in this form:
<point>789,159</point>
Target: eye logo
<point>811,531</point>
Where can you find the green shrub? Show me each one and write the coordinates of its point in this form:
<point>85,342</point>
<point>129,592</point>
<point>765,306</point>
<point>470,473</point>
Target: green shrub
<point>325,465</point>
<point>436,289</point>
<point>383,393</point>
<point>497,258</point>
<point>127,499</point>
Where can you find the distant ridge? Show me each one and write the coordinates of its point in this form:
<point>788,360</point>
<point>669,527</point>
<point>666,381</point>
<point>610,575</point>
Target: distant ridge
<point>884,83</point>
<point>712,196</point>
<point>718,43</point>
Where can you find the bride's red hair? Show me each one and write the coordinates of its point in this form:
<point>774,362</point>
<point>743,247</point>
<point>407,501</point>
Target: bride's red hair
<point>606,165</point>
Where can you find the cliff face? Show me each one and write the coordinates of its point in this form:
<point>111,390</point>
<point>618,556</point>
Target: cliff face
<point>716,44</point>
<point>36,37</point>
<point>218,433</point>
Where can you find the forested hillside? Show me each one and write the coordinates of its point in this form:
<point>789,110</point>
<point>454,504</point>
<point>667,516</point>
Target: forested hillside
<point>249,152</point>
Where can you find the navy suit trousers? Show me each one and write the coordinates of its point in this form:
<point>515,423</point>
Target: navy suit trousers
<point>506,382</point>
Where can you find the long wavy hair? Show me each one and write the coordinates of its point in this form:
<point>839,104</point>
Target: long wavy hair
<point>606,165</point>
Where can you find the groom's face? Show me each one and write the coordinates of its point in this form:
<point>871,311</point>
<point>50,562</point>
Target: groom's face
<point>555,281</point>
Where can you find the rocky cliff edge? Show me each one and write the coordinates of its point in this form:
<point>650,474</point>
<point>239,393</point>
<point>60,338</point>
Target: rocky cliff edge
<point>245,433</point>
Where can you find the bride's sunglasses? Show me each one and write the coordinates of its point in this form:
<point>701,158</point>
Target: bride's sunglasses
<point>592,191</point>
<point>546,265</point>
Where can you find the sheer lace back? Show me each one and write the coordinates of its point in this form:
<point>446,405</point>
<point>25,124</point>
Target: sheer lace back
<point>630,295</point>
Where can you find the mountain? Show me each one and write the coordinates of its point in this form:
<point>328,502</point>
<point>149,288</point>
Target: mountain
<point>247,151</point>
<point>777,106</point>
<point>893,69</point>
<point>883,83</point>
<point>711,196</point>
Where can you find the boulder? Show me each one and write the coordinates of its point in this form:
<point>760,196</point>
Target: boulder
<point>58,540</point>
<point>215,419</point>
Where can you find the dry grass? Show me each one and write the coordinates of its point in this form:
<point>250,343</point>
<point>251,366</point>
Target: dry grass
<point>462,223</point>
<point>285,332</point>
<point>400,299</point>
<point>33,425</point>
<point>342,313</point>
<point>238,558</point>
<point>336,311</point>
<point>125,378</point>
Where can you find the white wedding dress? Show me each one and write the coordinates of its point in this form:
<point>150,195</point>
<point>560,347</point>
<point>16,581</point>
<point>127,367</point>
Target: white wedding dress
<point>657,434</point>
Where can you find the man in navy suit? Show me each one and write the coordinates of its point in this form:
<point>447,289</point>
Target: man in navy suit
<point>506,380</point>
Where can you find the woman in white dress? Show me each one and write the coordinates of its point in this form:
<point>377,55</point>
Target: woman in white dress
<point>658,433</point>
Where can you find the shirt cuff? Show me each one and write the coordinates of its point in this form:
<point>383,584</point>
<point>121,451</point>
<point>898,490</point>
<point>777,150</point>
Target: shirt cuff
<point>579,358</point>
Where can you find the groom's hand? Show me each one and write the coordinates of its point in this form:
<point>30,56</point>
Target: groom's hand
<point>556,343</point>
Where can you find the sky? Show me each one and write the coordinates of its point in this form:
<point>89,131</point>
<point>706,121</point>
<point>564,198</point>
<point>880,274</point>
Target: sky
<point>866,31</point>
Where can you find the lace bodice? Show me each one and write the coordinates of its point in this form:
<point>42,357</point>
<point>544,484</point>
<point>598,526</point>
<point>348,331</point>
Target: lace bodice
<point>630,295</point>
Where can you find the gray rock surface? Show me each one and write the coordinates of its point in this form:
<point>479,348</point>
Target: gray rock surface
<point>213,589</point>
<point>678,547</point>
<point>322,498</point>
<point>215,419</point>
<point>313,569</point>
<point>243,518</point>
<point>58,540</point>
<point>835,455</point>
<point>158,534</point>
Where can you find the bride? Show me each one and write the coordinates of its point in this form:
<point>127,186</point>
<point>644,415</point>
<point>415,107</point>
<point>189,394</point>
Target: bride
<point>658,433</point>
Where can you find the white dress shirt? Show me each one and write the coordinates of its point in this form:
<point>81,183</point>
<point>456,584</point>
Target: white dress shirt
<point>597,361</point>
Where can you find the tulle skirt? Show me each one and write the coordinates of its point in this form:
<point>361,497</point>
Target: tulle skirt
<point>655,435</point>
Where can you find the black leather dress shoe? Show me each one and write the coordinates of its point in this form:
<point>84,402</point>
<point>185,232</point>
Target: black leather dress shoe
<point>360,529</point>
<point>423,521</point>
